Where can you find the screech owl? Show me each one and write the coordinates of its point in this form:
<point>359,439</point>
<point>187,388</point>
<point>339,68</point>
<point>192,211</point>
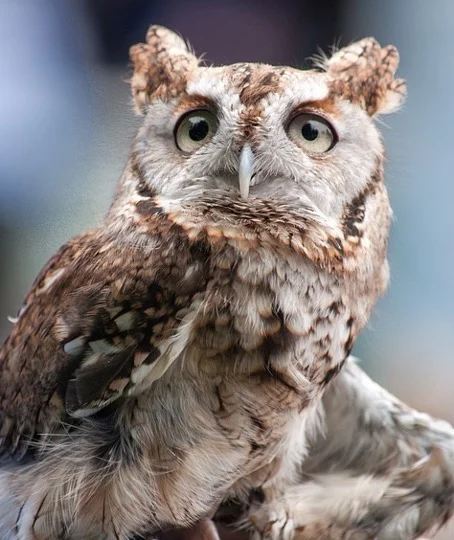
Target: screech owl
<point>193,349</point>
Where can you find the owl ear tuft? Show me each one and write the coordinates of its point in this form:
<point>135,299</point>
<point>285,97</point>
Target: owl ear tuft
<point>161,66</point>
<point>364,73</point>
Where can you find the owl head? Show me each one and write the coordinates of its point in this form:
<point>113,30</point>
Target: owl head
<point>265,154</point>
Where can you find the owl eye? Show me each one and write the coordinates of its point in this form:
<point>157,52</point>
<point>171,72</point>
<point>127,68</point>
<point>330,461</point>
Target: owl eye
<point>312,133</point>
<point>195,129</point>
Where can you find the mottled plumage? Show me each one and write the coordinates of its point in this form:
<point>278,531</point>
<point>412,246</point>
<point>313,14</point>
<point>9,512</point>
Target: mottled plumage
<point>173,361</point>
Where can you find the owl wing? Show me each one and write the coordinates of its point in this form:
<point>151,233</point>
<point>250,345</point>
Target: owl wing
<point>377,469</point>
<point>381,469</point>
<point>99,323</point>
<point>370,431</point>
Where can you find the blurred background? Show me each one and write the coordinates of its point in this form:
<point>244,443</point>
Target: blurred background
<point>66,123</point>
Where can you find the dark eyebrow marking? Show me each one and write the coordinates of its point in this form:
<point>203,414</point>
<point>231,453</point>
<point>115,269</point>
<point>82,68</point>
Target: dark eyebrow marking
<point>327,106</point>
<point>196,101</point>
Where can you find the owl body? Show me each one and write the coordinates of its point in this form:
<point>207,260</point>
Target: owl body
<point>245,408</point>
<point>177,356</point>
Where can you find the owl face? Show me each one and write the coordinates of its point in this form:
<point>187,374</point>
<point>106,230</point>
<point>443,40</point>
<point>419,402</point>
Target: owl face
<point>246,141</point>
<point>259,132</point>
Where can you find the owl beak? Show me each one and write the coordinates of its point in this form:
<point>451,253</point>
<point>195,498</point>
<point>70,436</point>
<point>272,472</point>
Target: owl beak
<point>245,170</point>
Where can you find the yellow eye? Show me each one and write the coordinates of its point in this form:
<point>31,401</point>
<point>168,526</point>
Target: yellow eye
<point>312,133</point>
<point>195,129</point>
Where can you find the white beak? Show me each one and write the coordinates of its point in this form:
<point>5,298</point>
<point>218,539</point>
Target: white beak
<point>245,172</point>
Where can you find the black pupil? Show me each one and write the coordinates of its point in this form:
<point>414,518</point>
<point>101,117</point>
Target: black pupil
<point>199,129</point>
<point>309,131</point>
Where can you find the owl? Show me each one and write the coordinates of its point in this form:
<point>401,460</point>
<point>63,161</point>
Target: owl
<point>189,357</point>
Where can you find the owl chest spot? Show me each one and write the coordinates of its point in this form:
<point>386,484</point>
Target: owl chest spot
<point>263,314</point>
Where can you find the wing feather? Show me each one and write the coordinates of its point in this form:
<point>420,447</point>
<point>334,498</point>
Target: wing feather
<point>97,325</point>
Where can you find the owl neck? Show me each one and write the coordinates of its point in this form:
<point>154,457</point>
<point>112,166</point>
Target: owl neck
<point>357,243</point>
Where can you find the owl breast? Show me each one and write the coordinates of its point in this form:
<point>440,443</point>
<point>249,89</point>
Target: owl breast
<point>267,313</point>
<point>269,336</point>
